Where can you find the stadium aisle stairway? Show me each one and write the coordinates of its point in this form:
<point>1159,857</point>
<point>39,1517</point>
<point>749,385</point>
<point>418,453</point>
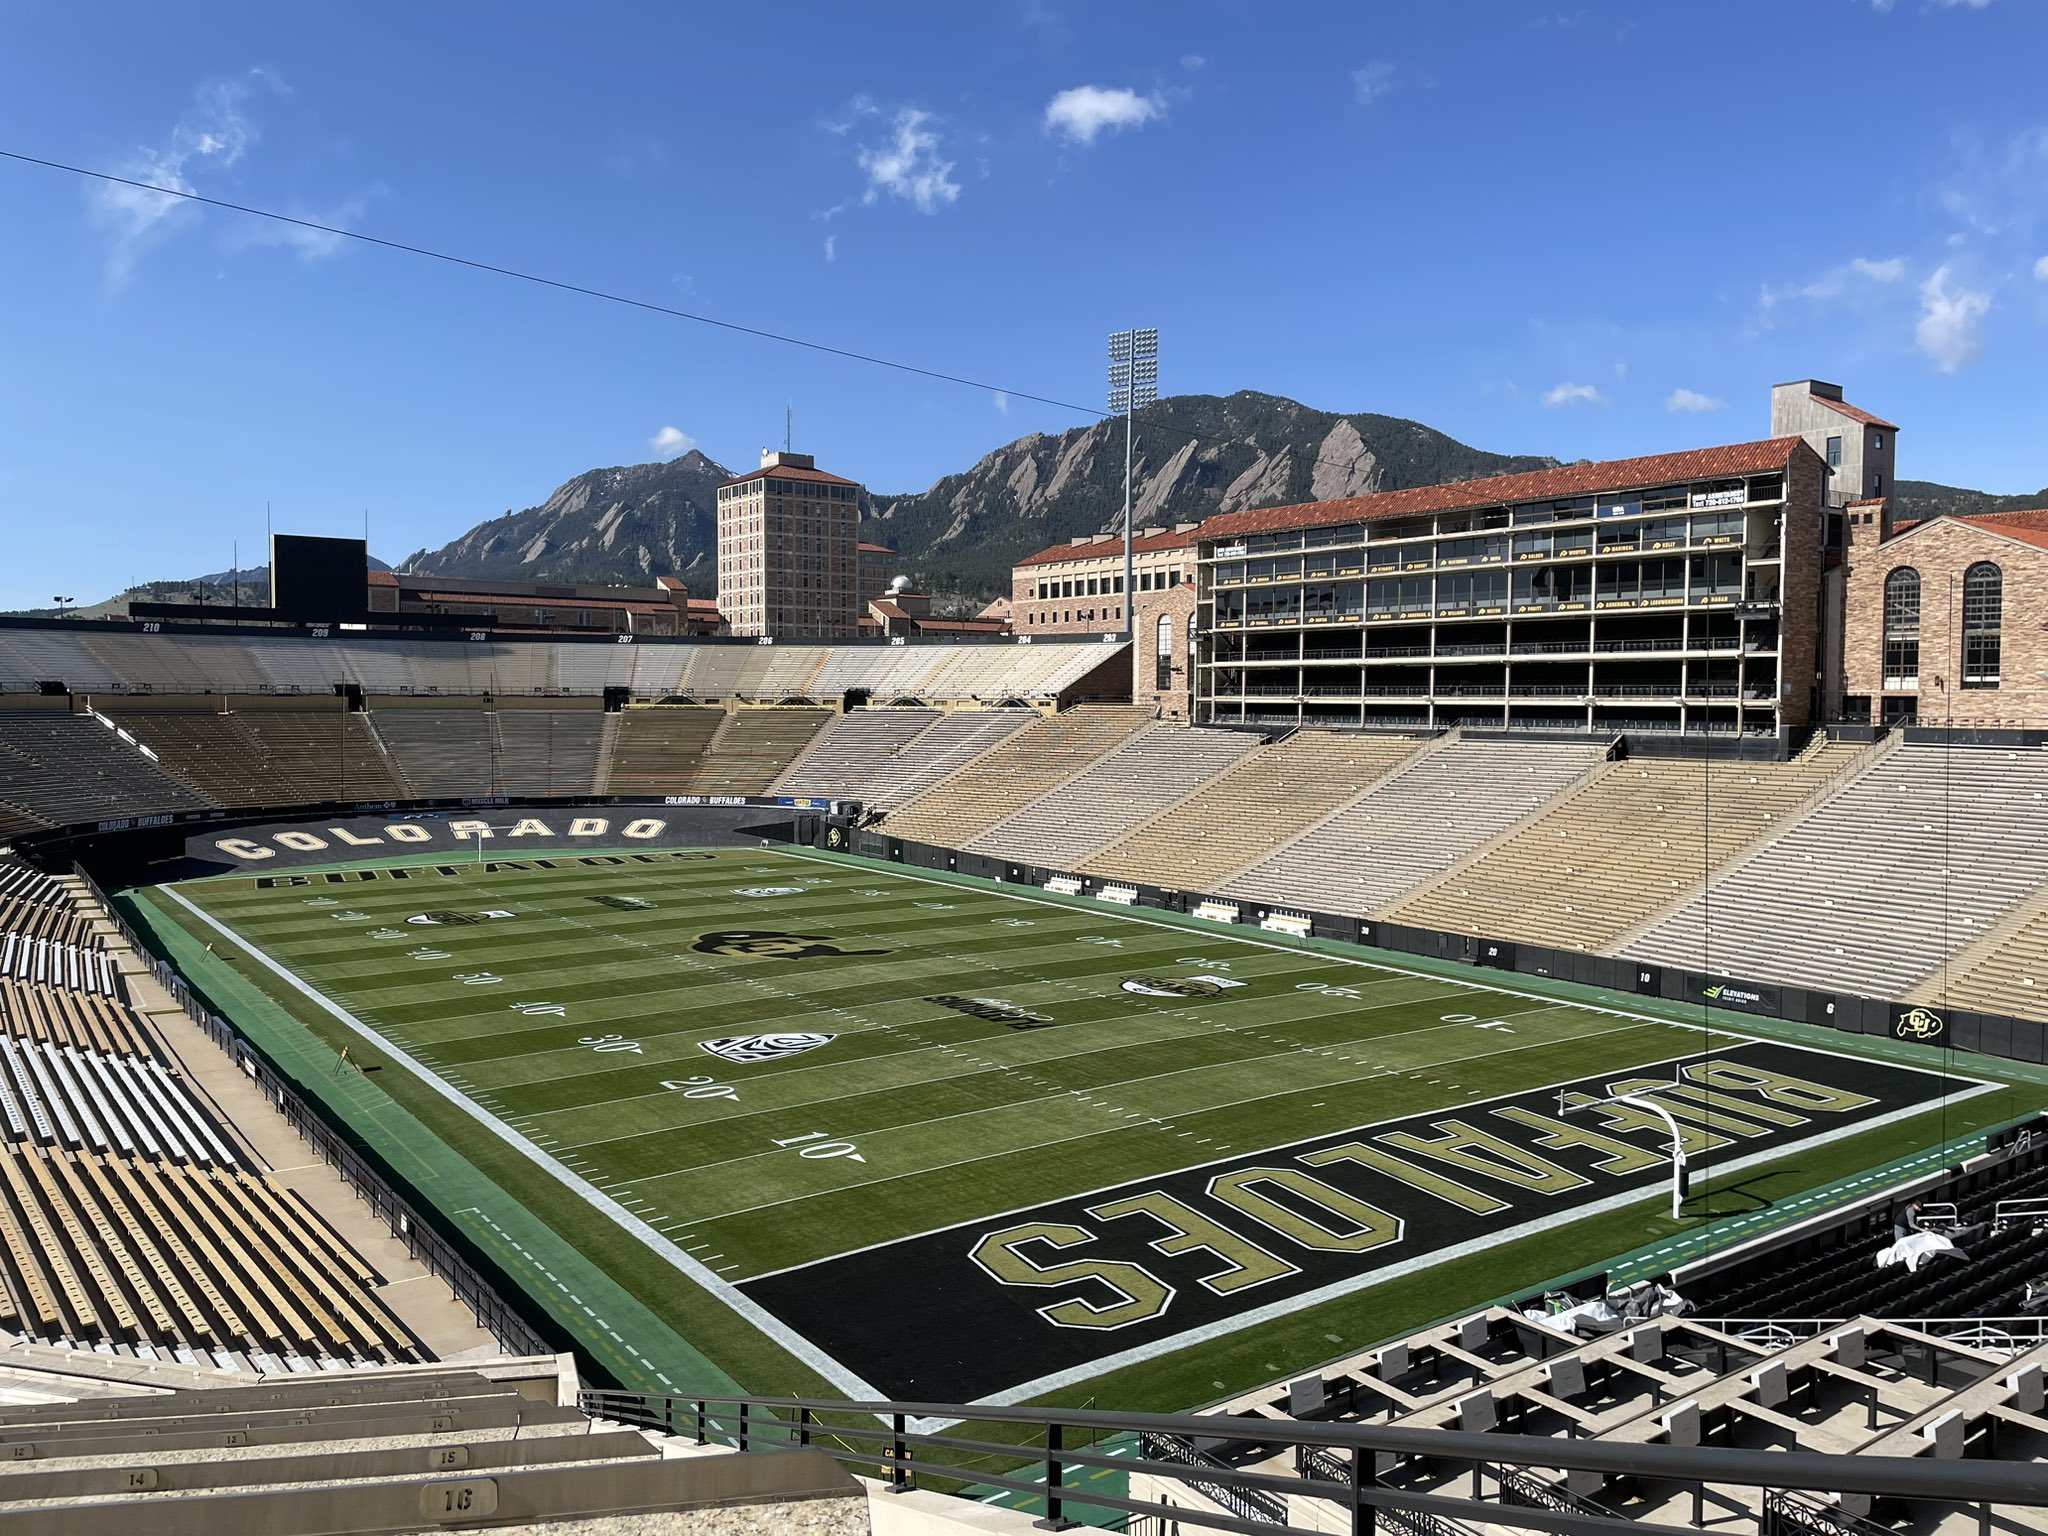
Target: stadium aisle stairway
<point>1415,824</point>
<point>1241,816</point>
<point>245,751</point>
<point>1156,768</point>
<point>1632,840</point>
<point>62,767</point>
<point>1908,864</point>
<point>841,759</point>
<point>656,747</point>
<point>752,748</point>
<point>954,810</point>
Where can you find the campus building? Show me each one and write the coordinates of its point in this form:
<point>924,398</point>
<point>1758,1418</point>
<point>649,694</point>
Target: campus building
<point>1678,592</point>
<point>663,607</point>
<point>788,551</point>
<point>1077,588</point>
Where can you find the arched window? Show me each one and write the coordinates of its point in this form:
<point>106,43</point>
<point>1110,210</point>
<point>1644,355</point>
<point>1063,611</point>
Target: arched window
<point>1983,616</point>
<point>1162,661</point>
<point>1902,628</point>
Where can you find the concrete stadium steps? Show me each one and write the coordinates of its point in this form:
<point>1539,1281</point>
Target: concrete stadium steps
<point>1632,840</point>
<point>949,743</point>
<point>191,1451</point>
<point>958,808</point>
<point>656,747</point>
<point>2005,970</point>
<point>1416,823</point>
<point>1250,810</point>
<point>260,750</point>
<point>841,758</point>
<point>440,750</point>
<point>60,767</point>
<point>752,749</point>
<point>1909,863</point>
<point>550,748</point>
<point>1158,767</point>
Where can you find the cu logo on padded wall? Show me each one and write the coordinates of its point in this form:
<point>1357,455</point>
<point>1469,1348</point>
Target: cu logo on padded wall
<point>1921,1025</point>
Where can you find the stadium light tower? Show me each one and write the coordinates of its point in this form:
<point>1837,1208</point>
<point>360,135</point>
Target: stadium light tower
<point>1133,381</point>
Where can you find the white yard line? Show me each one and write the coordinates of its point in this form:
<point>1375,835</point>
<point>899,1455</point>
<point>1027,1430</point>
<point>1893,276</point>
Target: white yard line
<point>756,1315</point>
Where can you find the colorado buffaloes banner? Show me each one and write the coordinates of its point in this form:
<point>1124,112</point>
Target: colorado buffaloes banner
<point>1010,1306</point>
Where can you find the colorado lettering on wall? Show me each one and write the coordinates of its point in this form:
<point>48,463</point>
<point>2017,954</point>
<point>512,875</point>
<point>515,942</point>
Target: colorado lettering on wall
<point>1020,1304</point>
<point>501,833</point>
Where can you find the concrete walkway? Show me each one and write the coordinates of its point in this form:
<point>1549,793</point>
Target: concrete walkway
<point>419,1300</point>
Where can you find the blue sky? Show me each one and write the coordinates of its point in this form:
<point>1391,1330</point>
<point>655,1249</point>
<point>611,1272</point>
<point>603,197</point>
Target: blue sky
<point>1589,230</point>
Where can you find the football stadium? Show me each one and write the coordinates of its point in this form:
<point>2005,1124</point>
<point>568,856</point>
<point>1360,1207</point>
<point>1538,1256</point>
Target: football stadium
<point>1059,957</point>
<point>693,1038</point>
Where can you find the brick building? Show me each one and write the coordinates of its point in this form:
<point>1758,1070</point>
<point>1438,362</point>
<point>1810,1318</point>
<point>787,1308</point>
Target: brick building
<point>1077,588</point>
<point>788,551</point>
<point>1945,621</point>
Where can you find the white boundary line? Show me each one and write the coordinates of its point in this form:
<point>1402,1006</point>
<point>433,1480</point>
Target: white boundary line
<point>755,1314</point>
<point>830,1368</point>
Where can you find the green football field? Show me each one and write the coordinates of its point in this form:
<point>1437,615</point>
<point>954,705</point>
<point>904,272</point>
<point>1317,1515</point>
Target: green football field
<point>768,1118</point>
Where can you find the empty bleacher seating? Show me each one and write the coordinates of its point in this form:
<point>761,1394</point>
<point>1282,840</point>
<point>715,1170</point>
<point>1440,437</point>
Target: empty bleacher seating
<point>656,747</point>
<point>1153,769</point>
<point>262,750</point>
<point>1244,814</point>
<point>1907,864</point>
<point>1002,781</point>
<point>438,750</point>
<point>842,758</point>
<point>62,767</point>
<point>752,748</point>
<point>1630,841</point>
<point>551,750</point>
<point>948,743</point>
<point>1415,823</point>
<point>2004,971</point>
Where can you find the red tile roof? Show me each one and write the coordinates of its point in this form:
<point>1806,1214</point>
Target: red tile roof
<point>875,549</point>
<point>1866,501</point>
<point>1534,485</point>
<point>1102,548</point>
<point>789,472</point>
<point>1854,412</point>
<point>2029,527</point>
<point>383,579</point>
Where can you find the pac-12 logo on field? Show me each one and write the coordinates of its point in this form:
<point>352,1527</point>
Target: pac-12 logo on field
<point>746,943</point>
<point>745,1049</point>
<point>453,919</point>
<point>758,891</point>
<point>1178,986</point>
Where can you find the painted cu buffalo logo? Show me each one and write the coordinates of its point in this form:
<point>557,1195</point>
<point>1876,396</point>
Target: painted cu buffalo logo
<point>624,903</point>
<point>748,943</point>
<point>452,919</point>
<point>742,1050</point>
<point>1922,1024</point>
<point>1178,986</point>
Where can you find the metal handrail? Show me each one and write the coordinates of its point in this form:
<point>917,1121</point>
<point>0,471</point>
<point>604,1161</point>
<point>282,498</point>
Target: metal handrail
<point>897,1427</point>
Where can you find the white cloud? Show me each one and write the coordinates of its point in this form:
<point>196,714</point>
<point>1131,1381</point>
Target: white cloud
<point>311,244</point>
<point>1855,279</point>
<point>831,247</point>
<point>671,443</point>
<point>1692,400</point>
<point>1371,82</point>
<point>907,164</point>
<point>214,133</point>
<point>1947,331</point>
<point>1002,399</point>
<point>1192,62</point>
<point>1078,115</point>
<point>1573,394</point>
<point>2041,270</point>
<point>856,109</point>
